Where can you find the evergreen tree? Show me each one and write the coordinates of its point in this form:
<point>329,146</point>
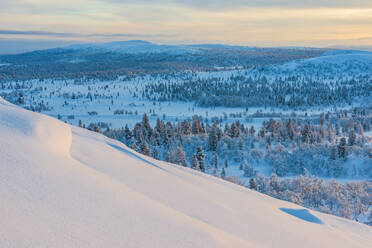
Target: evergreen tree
<point>252,184</point>
<point>306,134</point>
<point>252,131</point>
<point>194,162</point>
<point>146,122</point>
<point>216,160</point>
<point>195,125</point>
<point>342,148</point>
<point>145,150</point>
<point>201,158</point>
<point>223,173</point>
<point>352,138</point>
<point>187,127</point>
<point>213,139</point>
<point>333,153</point>
<point>290,129</point>
<point>171,157</point>
<point>226,161</point>
<point>127,133</point>
<point>249,171</point>
<point>241,144</point>
<point>134,145</point>
<point>180,155</point>
<point>234,132</point>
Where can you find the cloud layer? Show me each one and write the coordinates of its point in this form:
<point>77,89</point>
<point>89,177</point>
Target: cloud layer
<point>250,22</point>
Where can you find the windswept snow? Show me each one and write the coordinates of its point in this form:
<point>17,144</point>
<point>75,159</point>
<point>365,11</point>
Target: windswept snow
<point>63,186</point>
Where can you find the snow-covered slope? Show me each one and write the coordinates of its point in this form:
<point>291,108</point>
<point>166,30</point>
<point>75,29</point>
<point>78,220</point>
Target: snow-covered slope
<point>62,186</point>
<point>337,58</point>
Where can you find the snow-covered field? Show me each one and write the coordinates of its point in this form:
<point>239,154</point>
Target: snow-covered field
<point>62,186</point>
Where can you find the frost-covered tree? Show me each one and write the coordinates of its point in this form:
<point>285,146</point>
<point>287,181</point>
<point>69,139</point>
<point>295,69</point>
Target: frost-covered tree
<point>213,138</point>
<point>180,156</point>
<point>342,150</point>
<point>252,184</point>
<point>201,158</point>
<point>145,149</point>
<point>194,162</point>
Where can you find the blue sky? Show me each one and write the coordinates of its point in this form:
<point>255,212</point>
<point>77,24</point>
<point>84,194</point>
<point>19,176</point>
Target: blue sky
<point>255,22</point>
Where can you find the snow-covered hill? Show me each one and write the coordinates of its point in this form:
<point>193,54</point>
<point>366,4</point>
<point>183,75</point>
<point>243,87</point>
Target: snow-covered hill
<point>62,186</point>
<point>344,59</point>
<point>136,47</point>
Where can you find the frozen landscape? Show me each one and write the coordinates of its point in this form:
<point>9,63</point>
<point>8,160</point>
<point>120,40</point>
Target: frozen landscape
<point>67,186</point>
<point>295,124</point>
<point>174,123</point>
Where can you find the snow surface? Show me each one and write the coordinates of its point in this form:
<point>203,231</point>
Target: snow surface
<point>335,58</point>
<point>63,186</point>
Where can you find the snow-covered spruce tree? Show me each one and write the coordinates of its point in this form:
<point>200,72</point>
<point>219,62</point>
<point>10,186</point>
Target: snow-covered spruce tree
<point>180,155</point>
<point>195,125</point>
<point>201,158</point>
<point>223,173</point>
<point>127,133</point>
<point>333,153</point>
<point>215,161</point>
<point>213,138</point>
<point>194,163</point>
<point>145,149</point>
<point>249,171</point>
<point>352,138</point>
<point>171,157</point>
<point>252,184</point>
<point>134,146</point>
<point>342,152</point>
<point>226,161</point>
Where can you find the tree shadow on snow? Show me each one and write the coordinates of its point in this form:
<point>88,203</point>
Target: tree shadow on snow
<point>302,214</point>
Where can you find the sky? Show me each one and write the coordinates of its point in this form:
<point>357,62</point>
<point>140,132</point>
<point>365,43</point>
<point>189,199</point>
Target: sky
<point>318,23</point>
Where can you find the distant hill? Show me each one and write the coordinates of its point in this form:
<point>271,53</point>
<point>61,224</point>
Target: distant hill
<point>141,57</point>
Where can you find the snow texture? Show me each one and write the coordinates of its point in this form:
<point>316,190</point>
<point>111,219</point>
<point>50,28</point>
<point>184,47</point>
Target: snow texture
<point>63,186</point>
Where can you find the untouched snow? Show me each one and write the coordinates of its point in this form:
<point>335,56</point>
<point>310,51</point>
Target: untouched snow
<point>338,58</point>
<point>62,186</point>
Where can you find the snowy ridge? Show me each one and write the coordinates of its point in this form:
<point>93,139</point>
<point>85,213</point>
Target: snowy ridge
<point>135,47</point>
<point>334,58</point>
<point>63,186</point>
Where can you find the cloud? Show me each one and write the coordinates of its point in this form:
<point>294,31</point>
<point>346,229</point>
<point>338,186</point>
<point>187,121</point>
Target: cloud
<point>214,5</point>
<point>72,35</point>
<point>37,33</point>
<point>175,21</point>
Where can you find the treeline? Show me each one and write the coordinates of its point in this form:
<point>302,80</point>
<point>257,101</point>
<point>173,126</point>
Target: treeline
<point>260,91</point>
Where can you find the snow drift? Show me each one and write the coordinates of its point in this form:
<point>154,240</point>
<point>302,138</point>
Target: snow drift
<point>62,186</point>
